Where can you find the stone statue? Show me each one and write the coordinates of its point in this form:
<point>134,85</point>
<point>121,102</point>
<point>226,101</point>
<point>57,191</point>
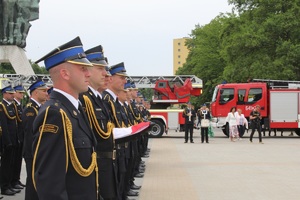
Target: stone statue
<point>15,16</point>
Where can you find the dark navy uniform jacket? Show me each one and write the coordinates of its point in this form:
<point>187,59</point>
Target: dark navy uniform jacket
<point>18,111</point>
<point>54,174</point>
<point>105,147</point>
<point>28,116</point>
<point>8,124</point>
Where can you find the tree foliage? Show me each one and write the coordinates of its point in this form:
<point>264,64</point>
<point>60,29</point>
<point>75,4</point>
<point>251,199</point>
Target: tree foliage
<point>259,39</point>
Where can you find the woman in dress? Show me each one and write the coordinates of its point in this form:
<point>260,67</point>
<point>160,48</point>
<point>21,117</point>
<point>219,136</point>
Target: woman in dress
<point>231,119</point>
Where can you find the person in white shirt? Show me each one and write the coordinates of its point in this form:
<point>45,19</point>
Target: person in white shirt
<point>242,122</point>
<point>233,131</point>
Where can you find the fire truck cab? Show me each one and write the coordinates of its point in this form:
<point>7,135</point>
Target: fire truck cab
<point>279,101</point>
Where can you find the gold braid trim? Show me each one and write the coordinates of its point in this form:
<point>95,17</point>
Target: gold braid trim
<point>73,156</point>
<point>127,116</point>
<point>30,105</point>
<point>37,147</point>
<point>6,113</point>
<point>137,118</point>
<point>93,119</point>
<point>115,115</point>
<point>67,125</point>
<point>17,113</point>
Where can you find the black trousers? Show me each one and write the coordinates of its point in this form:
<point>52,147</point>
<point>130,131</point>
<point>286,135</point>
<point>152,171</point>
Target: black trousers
<point>30,192</point>
<point>189,128</point>
<point>241,130</point>
<point>256,126</point>
<point>204,134</point>
<point>17,164</point>
<point>7,163</point>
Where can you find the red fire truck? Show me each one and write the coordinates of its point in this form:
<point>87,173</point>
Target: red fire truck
<point>168,90</point>
<point>279,101</point>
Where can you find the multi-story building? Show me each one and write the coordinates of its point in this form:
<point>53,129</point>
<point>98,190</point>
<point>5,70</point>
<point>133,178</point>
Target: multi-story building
<point>180,53</point>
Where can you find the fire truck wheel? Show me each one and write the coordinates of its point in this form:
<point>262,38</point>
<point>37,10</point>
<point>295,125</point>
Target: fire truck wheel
<point>297,131</point>
<point>157,129</point>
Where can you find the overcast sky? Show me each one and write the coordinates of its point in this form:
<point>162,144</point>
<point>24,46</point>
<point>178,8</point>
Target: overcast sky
<point>137,32</point>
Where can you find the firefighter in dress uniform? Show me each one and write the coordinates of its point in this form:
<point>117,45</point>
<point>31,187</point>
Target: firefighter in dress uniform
<point>116,85</point>
<point>65,161</point>
<point>9,141</point>
<point>101,121</point>
<point>38,95</point>
<point>18,96</point>
<point>132,152</point>
<point>139,164</point>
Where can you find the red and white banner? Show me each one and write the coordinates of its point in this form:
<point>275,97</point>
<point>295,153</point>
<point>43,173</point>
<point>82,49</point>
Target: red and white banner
<point>125,132</point>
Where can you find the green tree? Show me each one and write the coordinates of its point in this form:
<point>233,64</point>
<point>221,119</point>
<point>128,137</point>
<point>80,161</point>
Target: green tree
<point>204,59</point>
<point>263,41</point>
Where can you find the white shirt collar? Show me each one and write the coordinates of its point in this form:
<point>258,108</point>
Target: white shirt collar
<point>112,94</point>
<point>94,91</point>
<point>7,101</point>
<point>74,101</point>
<point>99,94</point>
<point>36,102</point>
<point>17,101</point>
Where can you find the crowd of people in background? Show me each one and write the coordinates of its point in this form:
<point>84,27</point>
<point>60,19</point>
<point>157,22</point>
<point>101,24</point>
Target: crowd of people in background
<point>203,123</point>
<point>238,123</point>
<point>236,120</point>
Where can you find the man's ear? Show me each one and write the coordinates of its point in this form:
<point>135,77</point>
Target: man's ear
<point>64,73</point>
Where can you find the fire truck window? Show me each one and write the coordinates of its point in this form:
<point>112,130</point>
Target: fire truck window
<point>214,97</point>
<point>226,95</point>
<point>255,94</point>
<point>241,95</point>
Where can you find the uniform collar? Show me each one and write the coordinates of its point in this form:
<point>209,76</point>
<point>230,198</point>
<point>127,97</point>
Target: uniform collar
<point>17,101</point>
<point>37,103</point>
<point>94,91</point>
<point>74,101</point>
<point>112,94</point>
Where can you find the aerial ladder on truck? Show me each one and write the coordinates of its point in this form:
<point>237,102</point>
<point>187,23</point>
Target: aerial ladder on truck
<point>168,90</point>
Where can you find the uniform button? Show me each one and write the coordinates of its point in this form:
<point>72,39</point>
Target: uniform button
<point>82,142</point>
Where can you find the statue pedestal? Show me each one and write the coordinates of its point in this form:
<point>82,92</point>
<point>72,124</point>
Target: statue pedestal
<point>16,56</point>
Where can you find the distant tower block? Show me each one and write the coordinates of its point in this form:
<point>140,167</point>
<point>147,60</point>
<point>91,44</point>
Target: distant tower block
<point>16,56</point>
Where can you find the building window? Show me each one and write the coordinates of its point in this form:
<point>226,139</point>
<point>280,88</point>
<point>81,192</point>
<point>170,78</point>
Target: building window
<point>178,62</point>
<point>178,43</point>
<point>178,50</point>
<point>178,56</point>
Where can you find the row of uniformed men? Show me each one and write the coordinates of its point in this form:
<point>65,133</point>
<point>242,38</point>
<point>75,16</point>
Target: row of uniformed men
<point>74,154</point>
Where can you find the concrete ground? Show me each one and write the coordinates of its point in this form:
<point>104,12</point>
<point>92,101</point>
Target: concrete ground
<point>220,170</point>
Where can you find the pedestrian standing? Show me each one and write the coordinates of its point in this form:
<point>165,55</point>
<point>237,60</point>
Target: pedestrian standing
<point>64,160</point>
<point>9,141</point>
<point>38,96</point>
<point>18,96</point>
<point>205,118</point>
<point>231,119</point>
<point>189,114</point>
<point>255,119</point>
<point>242,122</point>
<point>101,121</point>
